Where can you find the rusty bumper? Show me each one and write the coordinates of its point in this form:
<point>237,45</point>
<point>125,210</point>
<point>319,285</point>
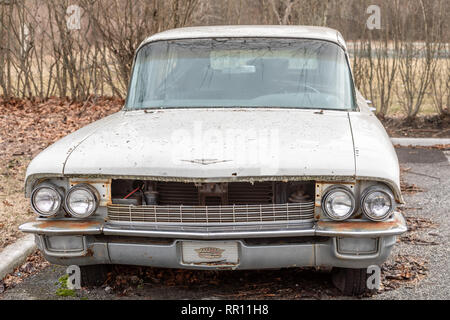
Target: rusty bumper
<point>95,242</point>
<point>357,229</point>
<point>66,227</point>
<point>394,226</point>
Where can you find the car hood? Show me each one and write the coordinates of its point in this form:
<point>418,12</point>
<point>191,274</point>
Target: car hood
<point>375,155</point>
<point>216,143</point>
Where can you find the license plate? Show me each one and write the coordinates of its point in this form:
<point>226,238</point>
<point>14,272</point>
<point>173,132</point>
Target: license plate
<point>216,252</point>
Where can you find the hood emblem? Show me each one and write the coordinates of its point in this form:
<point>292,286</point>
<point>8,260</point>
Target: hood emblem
<point>210,253</point>
<point>206,162</point>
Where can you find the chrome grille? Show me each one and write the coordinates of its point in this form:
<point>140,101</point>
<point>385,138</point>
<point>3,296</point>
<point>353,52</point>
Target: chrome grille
<point>214,215</point>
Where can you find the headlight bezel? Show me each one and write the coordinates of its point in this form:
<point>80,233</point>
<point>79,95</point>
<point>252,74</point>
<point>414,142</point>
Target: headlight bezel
<point>381,189</point>
<point>86,187</point>
<point>333,189</point>
<point>53,187</point>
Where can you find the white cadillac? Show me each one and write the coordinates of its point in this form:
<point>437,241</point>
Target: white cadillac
<point>238,147</point>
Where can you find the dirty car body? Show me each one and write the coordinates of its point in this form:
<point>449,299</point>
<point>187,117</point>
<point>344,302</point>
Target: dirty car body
<point>238,148</point>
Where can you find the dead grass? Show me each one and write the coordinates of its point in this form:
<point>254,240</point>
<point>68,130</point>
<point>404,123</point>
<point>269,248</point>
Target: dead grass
<point>14,207</point>
<point>397,104</point>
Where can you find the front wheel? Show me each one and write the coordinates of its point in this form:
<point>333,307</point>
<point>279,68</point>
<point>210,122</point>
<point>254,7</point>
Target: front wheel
<point>351,282</point>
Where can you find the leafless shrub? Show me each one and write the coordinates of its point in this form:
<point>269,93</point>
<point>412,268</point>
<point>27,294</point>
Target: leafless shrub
<point>121,25</point>
<point>440,89</point>
<point>383,63</point>
<point>19,48</point>
<point>405,63</point>
<point>440,79</point>
<point>311,12</point>
<point>418,60</point>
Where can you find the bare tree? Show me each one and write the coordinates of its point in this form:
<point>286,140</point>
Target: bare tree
<point>440,79</point>
<point>124,24</point>
<point>383,63</point>
<point>40,56</point>
<point>418,62</point>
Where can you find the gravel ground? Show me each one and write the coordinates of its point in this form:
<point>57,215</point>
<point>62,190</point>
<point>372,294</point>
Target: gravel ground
<point>425,248</point>
<point>430,170</point>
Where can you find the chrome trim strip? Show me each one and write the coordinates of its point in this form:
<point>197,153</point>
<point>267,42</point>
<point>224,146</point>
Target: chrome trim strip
<point>208,235</point>
<point>62,227</point>
<point>392,227</point>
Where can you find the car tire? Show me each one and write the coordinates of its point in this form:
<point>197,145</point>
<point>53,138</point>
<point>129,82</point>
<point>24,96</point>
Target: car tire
<point>94,275</point>
<point>351,282</point>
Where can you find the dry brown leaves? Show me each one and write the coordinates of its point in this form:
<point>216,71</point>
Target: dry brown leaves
<point>433,126</point>
<point>28,127</point>
<point>406,187</point>
<point>14,208</point>
<point>404,270</point>
<point>123,277</point>
<point>417,223</point>
<point>34,263</point>
<point>256,284</point>
<point>442,147</point>
<point>416,240</point>
<point>293,283</point>
<point>419,238</point>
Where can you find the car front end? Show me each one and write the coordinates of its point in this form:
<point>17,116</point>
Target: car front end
<point>237,148</point>
<point>267,224</point>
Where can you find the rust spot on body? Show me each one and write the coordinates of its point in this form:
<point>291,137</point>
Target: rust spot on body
<point>67,224</point>
<point>363,225</point>
<point>89,253</point>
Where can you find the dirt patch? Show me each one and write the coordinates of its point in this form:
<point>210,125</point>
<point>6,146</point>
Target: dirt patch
<point>433,126</point>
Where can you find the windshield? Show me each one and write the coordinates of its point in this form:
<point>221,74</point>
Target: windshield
<point>255,72</point>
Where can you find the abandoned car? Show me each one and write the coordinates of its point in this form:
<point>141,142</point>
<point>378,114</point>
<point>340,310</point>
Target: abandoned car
<point>238,147</point>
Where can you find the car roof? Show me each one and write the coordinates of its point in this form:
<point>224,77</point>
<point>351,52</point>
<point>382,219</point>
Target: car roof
<point>250,31</point>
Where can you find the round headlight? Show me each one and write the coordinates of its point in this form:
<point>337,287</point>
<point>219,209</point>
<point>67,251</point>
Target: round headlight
<point>81,201</point>
<point>338,203</point>
<point>46,200</point>
<point>377,203</point>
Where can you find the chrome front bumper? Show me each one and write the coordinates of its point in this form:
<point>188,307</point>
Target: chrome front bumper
<point>96,242</point>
